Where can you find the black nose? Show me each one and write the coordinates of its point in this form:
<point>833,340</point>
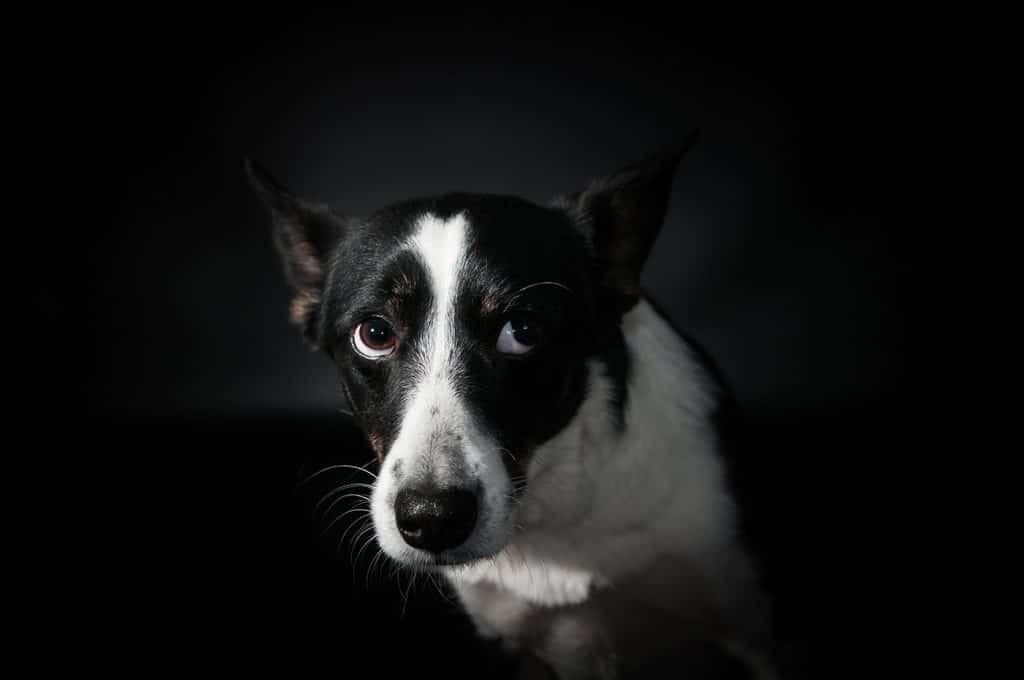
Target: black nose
<point>435,520</point>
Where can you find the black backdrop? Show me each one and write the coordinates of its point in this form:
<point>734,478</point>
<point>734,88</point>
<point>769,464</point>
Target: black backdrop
<point>182,411</point>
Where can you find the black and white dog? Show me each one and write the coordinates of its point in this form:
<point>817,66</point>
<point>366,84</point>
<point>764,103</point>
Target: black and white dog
<point>546,440</point>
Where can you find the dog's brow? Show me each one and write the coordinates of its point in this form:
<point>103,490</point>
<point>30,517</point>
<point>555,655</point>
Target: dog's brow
<point>517,294</point>
<point>543,283</point>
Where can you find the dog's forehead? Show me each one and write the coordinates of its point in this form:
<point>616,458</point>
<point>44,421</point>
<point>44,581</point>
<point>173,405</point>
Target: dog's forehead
<point>505,235</point>
<point>480,249</point>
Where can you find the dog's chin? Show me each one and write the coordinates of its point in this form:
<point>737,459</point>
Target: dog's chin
<point>457,560</point>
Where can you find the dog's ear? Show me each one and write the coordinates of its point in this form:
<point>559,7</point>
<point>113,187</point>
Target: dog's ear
<point>622,215</point>
<point>305,234</point>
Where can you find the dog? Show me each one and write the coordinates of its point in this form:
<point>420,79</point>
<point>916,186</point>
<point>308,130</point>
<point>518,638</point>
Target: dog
<point>547,440</point>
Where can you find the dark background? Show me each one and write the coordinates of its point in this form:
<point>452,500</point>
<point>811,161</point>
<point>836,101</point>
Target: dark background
<point>181,411</point>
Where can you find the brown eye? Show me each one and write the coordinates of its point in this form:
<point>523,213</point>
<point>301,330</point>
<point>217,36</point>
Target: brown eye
<point>374,338</point>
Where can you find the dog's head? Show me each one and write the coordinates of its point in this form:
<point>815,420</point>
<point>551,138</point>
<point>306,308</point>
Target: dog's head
<point>461,327</point>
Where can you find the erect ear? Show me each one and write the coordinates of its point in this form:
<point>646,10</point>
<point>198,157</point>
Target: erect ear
<point>622,215</point>
<point>304,233</point>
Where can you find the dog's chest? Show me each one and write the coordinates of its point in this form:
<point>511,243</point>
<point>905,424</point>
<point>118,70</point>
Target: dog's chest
<point>526,572</point>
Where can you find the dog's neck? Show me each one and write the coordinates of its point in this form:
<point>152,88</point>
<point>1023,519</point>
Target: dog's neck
<point>603,501</point>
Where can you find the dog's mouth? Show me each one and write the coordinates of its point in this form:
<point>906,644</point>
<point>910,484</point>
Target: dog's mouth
<point>456,560</point>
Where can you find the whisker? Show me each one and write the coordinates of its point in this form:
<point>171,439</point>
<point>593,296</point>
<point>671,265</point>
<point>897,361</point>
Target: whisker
<point>526,562</point>
<point>376,561</point>
<point>541,283</point>
<point>339,500</point>
<point>393,574</point>
<point>343,487</point>
<point>497,570</point>
<point>334,521</point>
<point>365,508</point>
<point>358,545</point>
<point>365,545</point>
<point>436,580</point>
<point>355,542</point>
<point>413,573</point>
<point>339,466</point>
<point>363,522</point>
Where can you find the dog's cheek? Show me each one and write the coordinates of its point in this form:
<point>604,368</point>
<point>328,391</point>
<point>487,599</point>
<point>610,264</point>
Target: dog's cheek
<point>354,388</point>
<point>367,409</point>
<point>539,404</point>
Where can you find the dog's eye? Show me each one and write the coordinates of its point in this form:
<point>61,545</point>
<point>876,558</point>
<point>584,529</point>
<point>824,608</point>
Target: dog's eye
<point>519,335</point>
<point>374,338</point>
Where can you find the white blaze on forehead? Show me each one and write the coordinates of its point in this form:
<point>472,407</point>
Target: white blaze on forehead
<point>440,246</point>
<point>432,408</point>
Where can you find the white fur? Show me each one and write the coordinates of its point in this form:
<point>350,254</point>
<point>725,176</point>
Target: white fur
<point>426,444</point>
<point>601,506</point>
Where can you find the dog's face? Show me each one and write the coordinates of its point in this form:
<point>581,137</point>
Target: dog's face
<point>461,327</point>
